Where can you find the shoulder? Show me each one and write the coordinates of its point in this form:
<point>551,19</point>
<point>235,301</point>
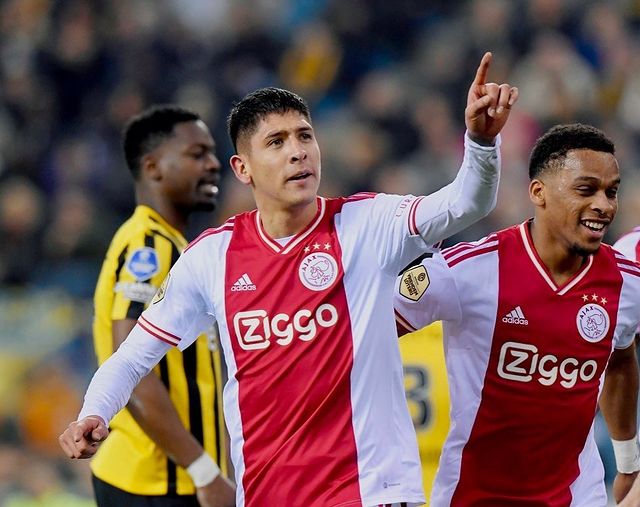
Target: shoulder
<point>214,234</point>
<point>624,264</point>
<point>469,252</point>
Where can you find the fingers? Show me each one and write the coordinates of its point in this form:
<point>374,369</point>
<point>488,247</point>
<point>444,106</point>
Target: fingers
<point>500,98</point>
<point>483,69</point>
<point>81,439</point>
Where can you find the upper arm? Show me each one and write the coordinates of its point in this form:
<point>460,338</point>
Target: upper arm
<point>182,308</point>
<point>426,293</point>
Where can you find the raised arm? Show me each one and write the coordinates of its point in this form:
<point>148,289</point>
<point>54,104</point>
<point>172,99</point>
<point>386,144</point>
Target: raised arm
<point>473,193</point>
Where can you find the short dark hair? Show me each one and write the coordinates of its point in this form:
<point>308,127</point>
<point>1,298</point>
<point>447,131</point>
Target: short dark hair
<point>551,148</point>
<point>254,107</point>
<point>146,131</point>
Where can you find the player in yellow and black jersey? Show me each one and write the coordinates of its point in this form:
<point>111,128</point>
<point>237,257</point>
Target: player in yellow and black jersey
<point>171,435</point>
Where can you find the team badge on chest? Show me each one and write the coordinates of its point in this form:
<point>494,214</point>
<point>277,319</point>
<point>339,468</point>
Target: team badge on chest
<point>592,322</point>
<point>318,271</point>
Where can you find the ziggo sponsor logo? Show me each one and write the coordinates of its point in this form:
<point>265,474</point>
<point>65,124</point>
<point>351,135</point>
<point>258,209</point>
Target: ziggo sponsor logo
<point>522,362</point>
<point>255,328</point>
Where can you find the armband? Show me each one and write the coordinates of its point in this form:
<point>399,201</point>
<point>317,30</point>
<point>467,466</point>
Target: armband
<point>627,454</point>
<point>203,470</point>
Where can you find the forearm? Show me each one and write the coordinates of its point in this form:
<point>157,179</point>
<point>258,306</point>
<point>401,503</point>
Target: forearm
<point>619,399</point>
<point>153,410</point>
<point>113,383</point>
<point>468,198</point>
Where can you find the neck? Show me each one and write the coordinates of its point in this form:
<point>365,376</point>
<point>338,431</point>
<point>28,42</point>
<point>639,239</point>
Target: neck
<point>281,223</point>
<point>170,213</point>
<point>561,263</point>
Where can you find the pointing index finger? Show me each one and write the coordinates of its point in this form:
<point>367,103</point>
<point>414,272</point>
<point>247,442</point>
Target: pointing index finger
<point>483,69</point>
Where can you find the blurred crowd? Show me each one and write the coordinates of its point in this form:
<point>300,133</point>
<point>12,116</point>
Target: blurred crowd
<point>387,84</point>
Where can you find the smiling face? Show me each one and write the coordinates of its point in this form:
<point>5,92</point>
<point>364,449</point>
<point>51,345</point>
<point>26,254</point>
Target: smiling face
<point>577,201</point>
<point>280,159</point>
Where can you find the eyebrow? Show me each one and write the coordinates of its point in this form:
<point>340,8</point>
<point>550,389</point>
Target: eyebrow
<point>280,132</point>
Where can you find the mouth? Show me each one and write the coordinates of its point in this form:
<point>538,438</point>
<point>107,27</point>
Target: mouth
<point>208,188</point>
<point>303,175</point>
<point>595,226</point>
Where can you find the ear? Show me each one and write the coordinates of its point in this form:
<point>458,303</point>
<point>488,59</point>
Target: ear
<point>240,169</point>
<point>149,168</point>
<point>537,192</point>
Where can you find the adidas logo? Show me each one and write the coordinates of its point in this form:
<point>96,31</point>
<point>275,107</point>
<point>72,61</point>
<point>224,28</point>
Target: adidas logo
<point>243,283</point>
<point>515,316</point>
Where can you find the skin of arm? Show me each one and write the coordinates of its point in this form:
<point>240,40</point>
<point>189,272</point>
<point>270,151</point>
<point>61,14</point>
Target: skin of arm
<point>152,408</point>
<point>618,403</point>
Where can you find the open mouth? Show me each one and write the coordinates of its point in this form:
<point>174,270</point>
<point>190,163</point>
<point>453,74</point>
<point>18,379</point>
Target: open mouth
<point>594,226</point>
<point>299,176</point>
<point>211,189</point>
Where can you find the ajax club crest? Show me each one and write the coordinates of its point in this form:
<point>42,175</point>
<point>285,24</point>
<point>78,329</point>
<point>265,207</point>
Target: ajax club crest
<point>318,271</point>
<point>593,322</point>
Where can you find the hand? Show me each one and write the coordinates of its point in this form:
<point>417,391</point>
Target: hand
<point>488,105</point>
<point>621,486</point>
<point>82,438</point>
<point>218,493</point>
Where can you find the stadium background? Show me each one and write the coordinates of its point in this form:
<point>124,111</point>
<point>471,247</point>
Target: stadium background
<point>387,84</point>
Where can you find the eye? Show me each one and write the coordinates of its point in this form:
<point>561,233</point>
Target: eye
<point>306,136</point>
<point>612,193</point>
<point>275,142</point>
<point>585,190</point>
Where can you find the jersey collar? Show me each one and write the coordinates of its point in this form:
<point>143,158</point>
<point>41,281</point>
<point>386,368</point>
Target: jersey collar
<point>525,234</point>
<point>296,239</point>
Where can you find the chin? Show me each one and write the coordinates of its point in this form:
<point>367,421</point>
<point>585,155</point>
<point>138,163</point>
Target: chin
<point>205,206</point>
<point>585,250</point>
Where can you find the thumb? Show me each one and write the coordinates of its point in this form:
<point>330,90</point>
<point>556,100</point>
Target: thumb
<point>99,434</point>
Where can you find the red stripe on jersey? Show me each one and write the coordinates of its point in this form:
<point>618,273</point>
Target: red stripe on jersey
<point>627,262</point>
<point>298,342</point>
<point>165,334</point>
<point>402,325</point>
<point>228,226</point>
<point>360,196</point>
<point>156,335</point>
<point>451,251</point>
<point>472,253</point>
<point>413,227</point>
<point>628,271</point>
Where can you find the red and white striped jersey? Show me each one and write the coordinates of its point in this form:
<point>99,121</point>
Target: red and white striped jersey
<point>526,361</point>
<point>629,244</point>
<point>315,401</point>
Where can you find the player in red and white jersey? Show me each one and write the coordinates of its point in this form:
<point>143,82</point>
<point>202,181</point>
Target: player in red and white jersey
<point>302,292</point>
<point>534,315</point>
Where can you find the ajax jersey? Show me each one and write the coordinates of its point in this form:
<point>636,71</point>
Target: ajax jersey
<point>525,361</point>
<point>315,399</point>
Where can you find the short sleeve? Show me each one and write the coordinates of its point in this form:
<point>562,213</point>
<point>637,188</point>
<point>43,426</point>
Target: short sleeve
<point>426,293</point>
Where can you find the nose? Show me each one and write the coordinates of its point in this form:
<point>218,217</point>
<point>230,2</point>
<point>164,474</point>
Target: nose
<point>604,204</point>
<point>299,153</point>
<point>213,164</point>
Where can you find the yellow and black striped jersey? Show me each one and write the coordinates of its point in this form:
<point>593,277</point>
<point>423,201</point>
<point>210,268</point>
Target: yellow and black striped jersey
<point>139,258</point>
<point>427,391</point>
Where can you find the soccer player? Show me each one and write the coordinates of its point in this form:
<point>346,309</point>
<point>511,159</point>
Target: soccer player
<point>163,447</point>
<point>302,291</point>
<point>538,319</point>
<point>425,382</point>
